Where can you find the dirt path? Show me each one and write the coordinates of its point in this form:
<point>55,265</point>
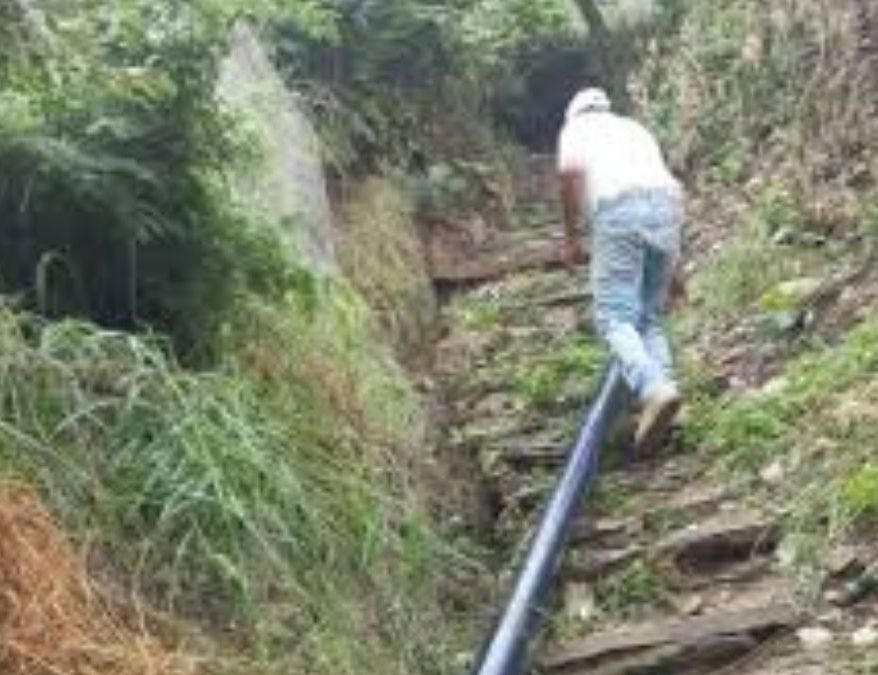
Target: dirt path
<point>668,571</point>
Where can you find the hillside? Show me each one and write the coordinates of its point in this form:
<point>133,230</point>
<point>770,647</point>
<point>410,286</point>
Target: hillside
<point>290,362</point>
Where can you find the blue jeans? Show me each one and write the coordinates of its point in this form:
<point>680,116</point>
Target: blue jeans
<point>635,246</point>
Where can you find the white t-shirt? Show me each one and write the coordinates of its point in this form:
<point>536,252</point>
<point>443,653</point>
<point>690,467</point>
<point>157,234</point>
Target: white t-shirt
<point>616,153</point>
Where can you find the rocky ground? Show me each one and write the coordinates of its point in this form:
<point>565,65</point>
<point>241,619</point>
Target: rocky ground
<point>671,568</point>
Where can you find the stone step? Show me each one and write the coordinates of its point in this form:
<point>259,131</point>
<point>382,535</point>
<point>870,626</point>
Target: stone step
<point>500,431</point>
<point>575,297</point>
<point>722,540</point>
<point>529,284</point>
<point>539,451</point>
<point>605,533</point>
<point>689,645</point>
<point>786,657</point>
<point>459,261</point>
<point>497,401</point>
<point>665,478</point>
<point>587,565</point>
<point>726,546</point>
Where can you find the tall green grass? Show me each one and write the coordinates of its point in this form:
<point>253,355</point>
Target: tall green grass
<point>272,498</point>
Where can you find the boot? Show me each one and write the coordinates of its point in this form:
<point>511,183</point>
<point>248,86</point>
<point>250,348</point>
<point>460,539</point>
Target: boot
<point>660,407</point>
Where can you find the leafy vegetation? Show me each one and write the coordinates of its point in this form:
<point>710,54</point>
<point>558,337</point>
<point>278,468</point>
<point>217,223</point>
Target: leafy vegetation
<point>400,81</point>
<point>113,151</point>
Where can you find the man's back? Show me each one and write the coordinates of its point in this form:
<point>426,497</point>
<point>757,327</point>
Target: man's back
<point>616,154</point>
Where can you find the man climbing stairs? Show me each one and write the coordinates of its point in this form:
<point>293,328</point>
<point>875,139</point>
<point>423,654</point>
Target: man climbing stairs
<point>666,570</point>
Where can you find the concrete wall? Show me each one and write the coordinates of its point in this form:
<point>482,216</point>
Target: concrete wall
<point>289,189</point>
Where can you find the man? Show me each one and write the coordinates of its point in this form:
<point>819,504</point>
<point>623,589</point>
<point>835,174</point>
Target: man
<point>614,177</point>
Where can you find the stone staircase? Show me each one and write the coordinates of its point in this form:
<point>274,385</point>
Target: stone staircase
<point>667,571</point>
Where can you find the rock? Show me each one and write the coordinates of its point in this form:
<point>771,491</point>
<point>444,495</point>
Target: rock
<point>698,499</point>
<point>463,661</point>
<point>815,638</point>
<point>689,605</point>
<point>590,565</point>
<point>288,184</point>
<point>833,596</point>
<point>790,295</point>
<point>718,541</point>
<point>858,590</point>
<point>459,253</point>
<point>773,474</point>
<point>616,532</point>
<point>579,603</point>
<point>673,645</point>
<point>867,636</point>
<point>843,563</point>
<point>833,616</point>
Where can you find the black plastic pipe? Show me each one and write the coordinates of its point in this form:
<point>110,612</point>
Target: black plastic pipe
<point>507,651</point>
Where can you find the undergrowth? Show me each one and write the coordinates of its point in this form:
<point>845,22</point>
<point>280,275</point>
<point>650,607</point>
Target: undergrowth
<point>817,424</point>
<point>381,253</point>
<point>272,497</point>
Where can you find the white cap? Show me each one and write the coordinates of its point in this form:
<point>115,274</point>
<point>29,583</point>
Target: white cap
<point>588,100</point>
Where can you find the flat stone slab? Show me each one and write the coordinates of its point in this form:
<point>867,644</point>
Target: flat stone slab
<point>589,530</point>
<point>711,639</point>
<point>590,565</point>
<point>727,537</point>
<point>574,297</point>
<point>459,260</point>
<point>527,456</point>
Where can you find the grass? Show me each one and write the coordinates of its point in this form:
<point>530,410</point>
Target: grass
<point>381,254</point>
<point>542,382</point>
<point>750,429</point>
<point>821,424</point>
<point>273,499</point>
<point>626,593</point>
<point>743,275</point>
<point>480,313</point>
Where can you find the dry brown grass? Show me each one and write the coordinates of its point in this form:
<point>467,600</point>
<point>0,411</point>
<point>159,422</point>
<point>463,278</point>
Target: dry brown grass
<point>52,622</point>
<point>380,251</point>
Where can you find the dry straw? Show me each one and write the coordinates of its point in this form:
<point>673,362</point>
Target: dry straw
<point>51,620</point>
